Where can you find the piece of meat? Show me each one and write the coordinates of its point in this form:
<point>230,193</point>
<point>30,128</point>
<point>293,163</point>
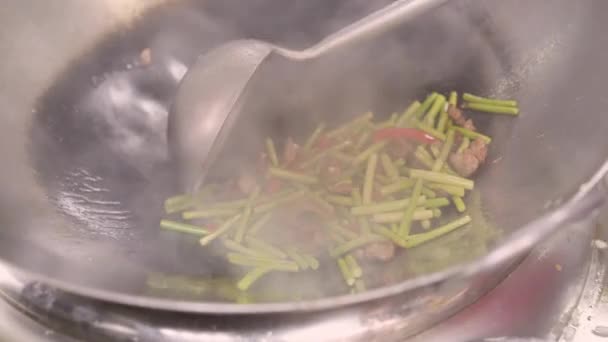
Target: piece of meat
<point>468,124</point>
<point>382,251</point>
<point>465,163</point>
<point>456,115</point>
<point>344,188</point>
<point>479,149</point>
<point>290,151</point>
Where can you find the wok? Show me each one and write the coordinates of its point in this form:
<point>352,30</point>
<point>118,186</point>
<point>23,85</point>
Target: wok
<point>86,168</point>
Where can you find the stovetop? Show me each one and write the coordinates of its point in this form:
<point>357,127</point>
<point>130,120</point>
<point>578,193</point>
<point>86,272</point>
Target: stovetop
<point>554,294</point>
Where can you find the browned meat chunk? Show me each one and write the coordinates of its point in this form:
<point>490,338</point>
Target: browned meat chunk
<point>479,149</point>
<point>382,251</point>
<point>469,125</point>
<point>465,163</point>
<point>456,115</point>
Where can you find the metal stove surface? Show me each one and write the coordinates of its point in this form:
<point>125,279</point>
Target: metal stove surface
<point>555,294</point>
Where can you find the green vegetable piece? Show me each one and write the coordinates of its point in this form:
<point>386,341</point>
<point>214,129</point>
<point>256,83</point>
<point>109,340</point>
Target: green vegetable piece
<point>261,222</point>
<point>430,130</point>
<point>347,234</point>
<point>428,192</point>
<point>327,152</point>
<point>478,99</point>
<point>352,263</point>
<point>183,227</point>
<point>313,137</point>
<point>209,213</point>
<point>251,277</point>
<point>406,221</point>
<point>241,229</point>
<point>223,229</point>
<point>368,152</point>
<point>424,157</point>
<point>257,261</point>
<point>488,108</point>
<point>408,114</point>
<point>370,172</point>
<point>350,125</point>
<point>346,272</point>
<point>293,176</point>
<point>449,189</point>
<point>272,152</point>
<point>358,200</point>
<point>340,200</point>
<point>354,244</point>
<point>237,247</point>
<point>265,248</point>
<point>298,258</point>
<point>453,98</point>
<point>389,234</point>
<point>312,261</point>
<point>437,106</point>
<point>435,202</point>
<point>381,207</point>
<point>445,151</point>
<point>389,168</point>
<point>472,134</point>
<point>426,104</point>
<point>397,217</point>
<point>442,178</point>
<point>363,139</point>
<point>459,204</point>
<point>398,186</point>
<point>464,144</point>
<point>426,224</point>
<point>418,239</point>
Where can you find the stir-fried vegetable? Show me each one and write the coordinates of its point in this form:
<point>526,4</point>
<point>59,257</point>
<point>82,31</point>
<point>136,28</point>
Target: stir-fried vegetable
<point>371,187</point>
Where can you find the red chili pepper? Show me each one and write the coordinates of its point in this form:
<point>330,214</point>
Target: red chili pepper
<point>408,133</point>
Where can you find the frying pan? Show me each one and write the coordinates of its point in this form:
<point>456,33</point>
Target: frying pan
<point>85,164</point>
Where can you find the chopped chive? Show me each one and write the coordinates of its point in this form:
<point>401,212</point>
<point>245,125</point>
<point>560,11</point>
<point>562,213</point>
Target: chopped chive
<point>443,121</point>
<point>459,204</point>
<point>293,176</point>
<point>453,101</point>
<point>320,155</point>
<point>380,207</point>
<point>472,134</point>
<point>272,152</point>
<point>445,151</point>
<point>397,217</point>
<point>389,168</point>
<point>442,178</point>
<point>183,227</point>
<point>449,189</point>
<point>437,106</point>
<point>347,234</point>
<point>488,108</point>
<point>435,151</point>
<point>258,261</point>
<point>251,277</point>
<point>346,272</point>
<point>358,200</point>
<point>314,137</point>
<point>265,248</point>
<point>224,228</point>
<point>244,222</point>
<point>408,114</point>
<point>209,213</point>
<point>428,192</point>
<point>435,203</point>
<point>398,186</point>
<point>298,258</point>
<point>418,239</point>
<point>367,153</point>
<point>340,200</point>
<point>464,144</point>
<point>352,263</point>
<point>389,234</point>
<point>478,99</point>
<point>426,104</point>
<point>350,125</point>
<point>354,244</point>
<point>424,157</point>
<point>260,223</point>
<point>406,220</point>
<point>430,130</point>
<point>368,184</point>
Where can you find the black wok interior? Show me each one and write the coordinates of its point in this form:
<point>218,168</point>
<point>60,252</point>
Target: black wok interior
<point>98,149</point>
